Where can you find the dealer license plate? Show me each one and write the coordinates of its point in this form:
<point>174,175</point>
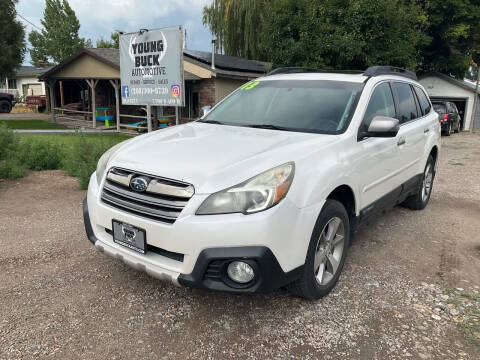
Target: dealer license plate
<point>129,236</point>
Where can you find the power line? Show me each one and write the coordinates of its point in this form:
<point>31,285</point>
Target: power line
<point>28,21</point>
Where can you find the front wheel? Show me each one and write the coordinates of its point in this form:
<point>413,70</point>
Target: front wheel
<point>326,253</point>
<point>419,200</point>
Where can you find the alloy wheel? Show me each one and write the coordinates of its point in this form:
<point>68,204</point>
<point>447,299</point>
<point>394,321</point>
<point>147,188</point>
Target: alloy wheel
<point>427,182</point>
<point>329,251</point>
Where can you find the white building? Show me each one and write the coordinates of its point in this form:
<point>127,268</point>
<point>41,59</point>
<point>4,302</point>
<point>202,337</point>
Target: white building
<point>25,82</point>
<point>443,87</point>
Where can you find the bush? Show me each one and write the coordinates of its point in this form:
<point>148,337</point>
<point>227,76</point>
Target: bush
<point>76,154</point>
<point>82,160</point>
<point>12,169</point>
<point>38,154</point>
<point>8,141</point>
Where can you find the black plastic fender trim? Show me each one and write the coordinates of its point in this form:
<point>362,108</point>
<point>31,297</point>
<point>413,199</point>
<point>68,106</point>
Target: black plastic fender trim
<point>88,225</point>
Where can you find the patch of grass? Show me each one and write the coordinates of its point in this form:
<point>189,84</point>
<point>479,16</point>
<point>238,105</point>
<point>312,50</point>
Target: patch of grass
<point>468,296</point>
<point>31,125</point>
<point>458,164</point>
<point>477,249</point>
<point>77,154</point>
<point>470,313</point>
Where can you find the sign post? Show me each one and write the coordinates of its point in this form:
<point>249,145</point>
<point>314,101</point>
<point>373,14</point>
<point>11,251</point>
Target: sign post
<point>151,68</point>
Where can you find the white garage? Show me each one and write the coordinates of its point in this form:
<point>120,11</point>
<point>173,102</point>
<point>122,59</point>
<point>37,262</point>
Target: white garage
<point>443,87</point>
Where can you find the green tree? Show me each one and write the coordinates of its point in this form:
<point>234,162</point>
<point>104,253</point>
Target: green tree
<point>12,41</point>
<point>453,26</point>
<point>331,34</point>
<point>59,38</point>
<point>112,43</point>
<point>343,34</point>
<point>237,25</point>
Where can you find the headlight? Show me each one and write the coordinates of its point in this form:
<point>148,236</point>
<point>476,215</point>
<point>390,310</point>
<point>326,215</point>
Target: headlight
<point>257,194</point>
<point>102,163</point>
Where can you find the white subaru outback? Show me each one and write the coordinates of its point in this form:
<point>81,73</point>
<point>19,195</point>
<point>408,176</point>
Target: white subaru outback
<point>267,189</point>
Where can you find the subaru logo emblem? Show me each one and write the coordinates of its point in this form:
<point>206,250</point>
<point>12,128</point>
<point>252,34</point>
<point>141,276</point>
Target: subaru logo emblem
<point>138,184</point>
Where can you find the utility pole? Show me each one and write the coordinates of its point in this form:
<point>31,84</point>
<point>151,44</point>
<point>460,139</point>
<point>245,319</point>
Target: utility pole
<point>475,100</point>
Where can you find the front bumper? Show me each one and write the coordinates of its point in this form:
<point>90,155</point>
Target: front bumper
<point>275,242</point>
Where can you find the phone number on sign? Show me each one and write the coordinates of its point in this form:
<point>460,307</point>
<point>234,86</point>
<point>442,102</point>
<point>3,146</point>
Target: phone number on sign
<point>150,91</point>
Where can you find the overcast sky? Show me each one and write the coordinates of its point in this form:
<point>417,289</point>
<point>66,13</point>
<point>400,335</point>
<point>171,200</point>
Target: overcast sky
<point>101,17</point>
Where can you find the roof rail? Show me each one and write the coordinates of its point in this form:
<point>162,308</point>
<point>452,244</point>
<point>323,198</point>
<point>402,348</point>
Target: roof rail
<point>292,70</point>
<point>389,70</point>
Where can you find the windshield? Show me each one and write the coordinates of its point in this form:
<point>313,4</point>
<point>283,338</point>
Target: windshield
<point>297,105</point>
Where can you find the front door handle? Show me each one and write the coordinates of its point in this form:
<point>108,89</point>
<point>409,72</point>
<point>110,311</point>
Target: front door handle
<point>426,130</point>
<point>401,141</point>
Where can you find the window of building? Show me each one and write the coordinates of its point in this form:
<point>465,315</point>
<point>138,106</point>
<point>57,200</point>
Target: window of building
<point>12,83</point>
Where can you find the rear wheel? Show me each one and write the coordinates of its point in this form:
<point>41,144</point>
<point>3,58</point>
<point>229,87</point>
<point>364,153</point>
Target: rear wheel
<point>449,130</point>
<point>326,253</point>
<point>420,200</point>
<point>5,106</point>
<point>457,129</point>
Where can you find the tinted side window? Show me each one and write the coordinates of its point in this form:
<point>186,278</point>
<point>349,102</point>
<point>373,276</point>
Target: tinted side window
<point>407,108</point>
<point>455,109</point>
<point>423,99</point>
<point>381,104</point>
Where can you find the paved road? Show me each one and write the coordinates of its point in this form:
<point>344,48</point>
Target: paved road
<point>25,116</point>
<point>60,299</point>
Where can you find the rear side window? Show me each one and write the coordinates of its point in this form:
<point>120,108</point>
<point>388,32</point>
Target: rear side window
<point>454,108</point>
<point>381,104</point>
<point>423,100</point>
<point>407,109</point>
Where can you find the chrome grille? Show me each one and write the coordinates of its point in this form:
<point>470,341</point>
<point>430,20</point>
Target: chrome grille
<point>163,200</point>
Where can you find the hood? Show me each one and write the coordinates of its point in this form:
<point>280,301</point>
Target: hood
<point>213,157</point>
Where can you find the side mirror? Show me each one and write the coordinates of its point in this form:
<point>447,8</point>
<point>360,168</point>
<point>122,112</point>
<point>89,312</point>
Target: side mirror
<point>383,126</point>
<point>205,110</point>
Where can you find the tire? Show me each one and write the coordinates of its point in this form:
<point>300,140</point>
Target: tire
<point>457,130</point>
<point>325,249</point>
<point>449,130</point>
<point>5,106</point>
<point>420,200</point>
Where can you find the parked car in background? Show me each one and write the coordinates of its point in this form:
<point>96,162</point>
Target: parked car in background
<point>267,189</point>
<point>7,101</point>
<point>449,116</point>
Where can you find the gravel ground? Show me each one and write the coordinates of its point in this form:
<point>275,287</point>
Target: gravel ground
<point>410,287</point>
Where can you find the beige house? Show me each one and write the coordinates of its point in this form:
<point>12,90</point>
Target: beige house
<point>25,82</point>
<point>87,80</point>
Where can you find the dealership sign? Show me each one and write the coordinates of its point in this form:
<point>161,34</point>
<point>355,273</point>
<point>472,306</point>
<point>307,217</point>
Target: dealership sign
<point>151,67</point>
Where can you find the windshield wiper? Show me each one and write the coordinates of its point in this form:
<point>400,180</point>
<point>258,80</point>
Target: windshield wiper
<point>212,122</point>
<point>269,126</point>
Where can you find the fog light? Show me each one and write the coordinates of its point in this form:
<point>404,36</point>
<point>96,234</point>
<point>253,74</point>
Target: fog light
<point>240,272</point>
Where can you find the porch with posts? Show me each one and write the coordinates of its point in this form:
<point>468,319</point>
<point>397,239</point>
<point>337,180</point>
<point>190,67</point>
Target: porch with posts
<point>79,103</point>
<point>84,102</point>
